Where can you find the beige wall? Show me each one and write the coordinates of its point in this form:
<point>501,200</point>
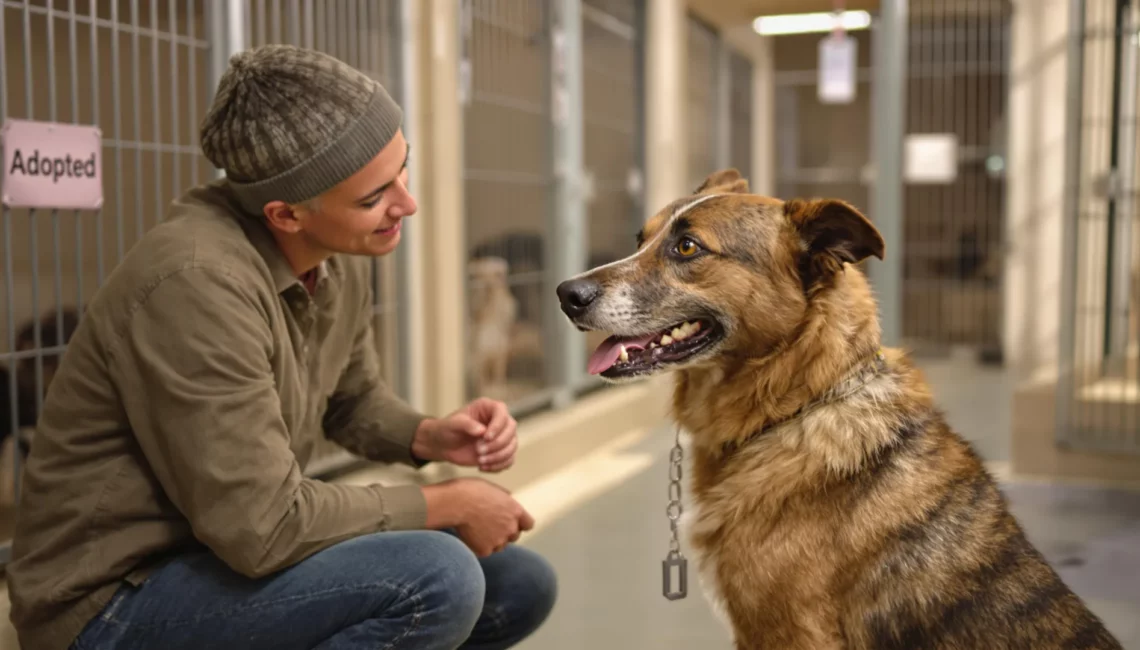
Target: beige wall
<point>666,152</point>
<point>1036,182</point>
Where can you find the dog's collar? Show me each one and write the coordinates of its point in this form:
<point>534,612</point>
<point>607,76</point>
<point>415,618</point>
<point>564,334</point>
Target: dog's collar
<point>856,380</point>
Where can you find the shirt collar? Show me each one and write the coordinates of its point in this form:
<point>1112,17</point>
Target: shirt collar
<point>262,240</point>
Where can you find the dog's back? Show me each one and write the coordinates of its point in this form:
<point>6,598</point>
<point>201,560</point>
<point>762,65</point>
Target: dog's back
<point>944,563</point>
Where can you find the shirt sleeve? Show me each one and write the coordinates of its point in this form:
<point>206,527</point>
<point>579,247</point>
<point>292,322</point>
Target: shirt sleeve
<point>364,415</point>
<point>194,373</point>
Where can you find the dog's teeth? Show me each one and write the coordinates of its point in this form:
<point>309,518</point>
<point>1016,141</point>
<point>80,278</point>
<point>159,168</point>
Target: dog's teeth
<point>695,327</point>
<point>679,333</point>
<point>666,340</point>
<point>652,345</point>
<point>624,355</point>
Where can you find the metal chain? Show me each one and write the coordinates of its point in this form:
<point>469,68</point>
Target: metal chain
<point>673,511</point>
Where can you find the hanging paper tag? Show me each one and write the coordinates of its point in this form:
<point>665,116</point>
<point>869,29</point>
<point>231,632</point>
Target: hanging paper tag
<point>838,55</point>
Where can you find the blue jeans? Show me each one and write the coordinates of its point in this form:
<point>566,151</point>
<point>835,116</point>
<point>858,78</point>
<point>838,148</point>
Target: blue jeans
<point>395,590</point>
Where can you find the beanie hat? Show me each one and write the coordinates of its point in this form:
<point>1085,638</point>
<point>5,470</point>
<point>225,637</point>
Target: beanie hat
<point>289,123</point>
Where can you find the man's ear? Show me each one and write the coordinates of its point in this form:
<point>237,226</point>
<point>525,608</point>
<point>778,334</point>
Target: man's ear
<point>835,232</point>
<point>281,216</point>
<point>723,182</point>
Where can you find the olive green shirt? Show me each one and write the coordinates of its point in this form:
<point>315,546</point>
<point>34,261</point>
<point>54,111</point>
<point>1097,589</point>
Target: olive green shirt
<point>185,410</point>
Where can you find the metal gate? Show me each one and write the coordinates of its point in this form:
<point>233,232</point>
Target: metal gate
<point>552,179</point>
<point>956,68</point>
<point>139,72</point>
<point>509,195</point>
<point>613,129</point>
<point>1099,387</point>
<point>957,77</point>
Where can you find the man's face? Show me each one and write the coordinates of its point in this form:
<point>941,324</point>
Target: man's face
<point>363,214</point>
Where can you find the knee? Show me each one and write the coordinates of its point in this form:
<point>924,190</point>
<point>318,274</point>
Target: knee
<point>543,583</point>
<point>454,587</point>
<point>532,591</point>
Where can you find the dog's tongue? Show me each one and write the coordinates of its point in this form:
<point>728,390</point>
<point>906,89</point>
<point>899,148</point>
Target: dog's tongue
<point>608,352</point>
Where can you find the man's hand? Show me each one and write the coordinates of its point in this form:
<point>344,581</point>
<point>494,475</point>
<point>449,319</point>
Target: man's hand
<point>483,433</point>
<point>485,515</point>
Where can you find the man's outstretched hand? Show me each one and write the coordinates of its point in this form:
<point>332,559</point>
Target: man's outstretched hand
<point>481,434</point>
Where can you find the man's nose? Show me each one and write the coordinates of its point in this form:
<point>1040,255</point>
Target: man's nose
<point>575,296</point>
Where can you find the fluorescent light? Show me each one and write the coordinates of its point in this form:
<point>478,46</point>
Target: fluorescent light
<point>809,23</point>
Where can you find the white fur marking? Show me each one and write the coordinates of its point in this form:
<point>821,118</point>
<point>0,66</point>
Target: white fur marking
<point>677,214</point>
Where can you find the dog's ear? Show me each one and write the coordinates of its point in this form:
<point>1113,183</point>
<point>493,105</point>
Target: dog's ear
<point>834,232</point>
<point>723,182</point>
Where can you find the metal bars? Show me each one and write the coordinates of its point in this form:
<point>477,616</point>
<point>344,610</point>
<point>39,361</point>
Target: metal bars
<point>952,240</point>
<point>613,132</point>
<point>1098,405</point>
<point>136,70</point>
<point>553,178</point>
<point>511,198</point>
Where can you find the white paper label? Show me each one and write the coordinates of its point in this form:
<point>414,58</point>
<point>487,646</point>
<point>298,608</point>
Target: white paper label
<point>837,59</point>
<point>930,158</point>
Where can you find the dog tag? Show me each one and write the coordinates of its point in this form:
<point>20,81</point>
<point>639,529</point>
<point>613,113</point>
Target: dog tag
<point>675,559</point>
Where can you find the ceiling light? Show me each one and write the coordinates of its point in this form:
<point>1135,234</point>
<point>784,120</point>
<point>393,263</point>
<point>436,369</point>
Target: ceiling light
<point>810,23</point>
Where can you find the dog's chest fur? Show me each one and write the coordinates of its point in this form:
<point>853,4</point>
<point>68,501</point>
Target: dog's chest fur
<point>741,517</point>
<point>761,536</point>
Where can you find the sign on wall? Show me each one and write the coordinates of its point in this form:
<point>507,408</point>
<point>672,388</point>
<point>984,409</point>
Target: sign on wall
<point>930,158</point>
<point>51,165</point>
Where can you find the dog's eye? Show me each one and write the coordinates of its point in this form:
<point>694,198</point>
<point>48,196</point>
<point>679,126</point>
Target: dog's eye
<point>687,247</point>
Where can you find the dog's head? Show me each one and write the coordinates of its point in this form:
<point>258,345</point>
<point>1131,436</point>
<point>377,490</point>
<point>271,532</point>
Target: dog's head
<point>719,272</point>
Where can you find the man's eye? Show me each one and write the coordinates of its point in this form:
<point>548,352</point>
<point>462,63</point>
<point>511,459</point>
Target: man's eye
<point>687,247</point>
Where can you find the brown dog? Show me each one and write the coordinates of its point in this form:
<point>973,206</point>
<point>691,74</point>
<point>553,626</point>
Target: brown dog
<point>834,506</point>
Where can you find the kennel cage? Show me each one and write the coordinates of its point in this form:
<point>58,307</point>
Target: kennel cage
<point>553,180</point>
<point>1098,394</point>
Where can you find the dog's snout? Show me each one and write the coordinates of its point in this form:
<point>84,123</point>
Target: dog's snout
<point>576,295</point>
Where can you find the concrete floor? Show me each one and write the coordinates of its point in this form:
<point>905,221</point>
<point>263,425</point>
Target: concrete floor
<point>608,549</point>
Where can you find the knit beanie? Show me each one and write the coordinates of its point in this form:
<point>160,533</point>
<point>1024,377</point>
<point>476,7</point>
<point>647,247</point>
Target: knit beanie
<point>289,123</point>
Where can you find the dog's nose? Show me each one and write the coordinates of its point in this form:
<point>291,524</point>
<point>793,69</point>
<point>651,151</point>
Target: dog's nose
<point>576,296</point>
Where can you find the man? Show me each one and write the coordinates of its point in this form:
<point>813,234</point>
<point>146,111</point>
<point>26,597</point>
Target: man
<point>164,504</point>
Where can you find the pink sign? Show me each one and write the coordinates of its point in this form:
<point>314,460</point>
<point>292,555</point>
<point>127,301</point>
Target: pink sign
<point>51,165</point>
